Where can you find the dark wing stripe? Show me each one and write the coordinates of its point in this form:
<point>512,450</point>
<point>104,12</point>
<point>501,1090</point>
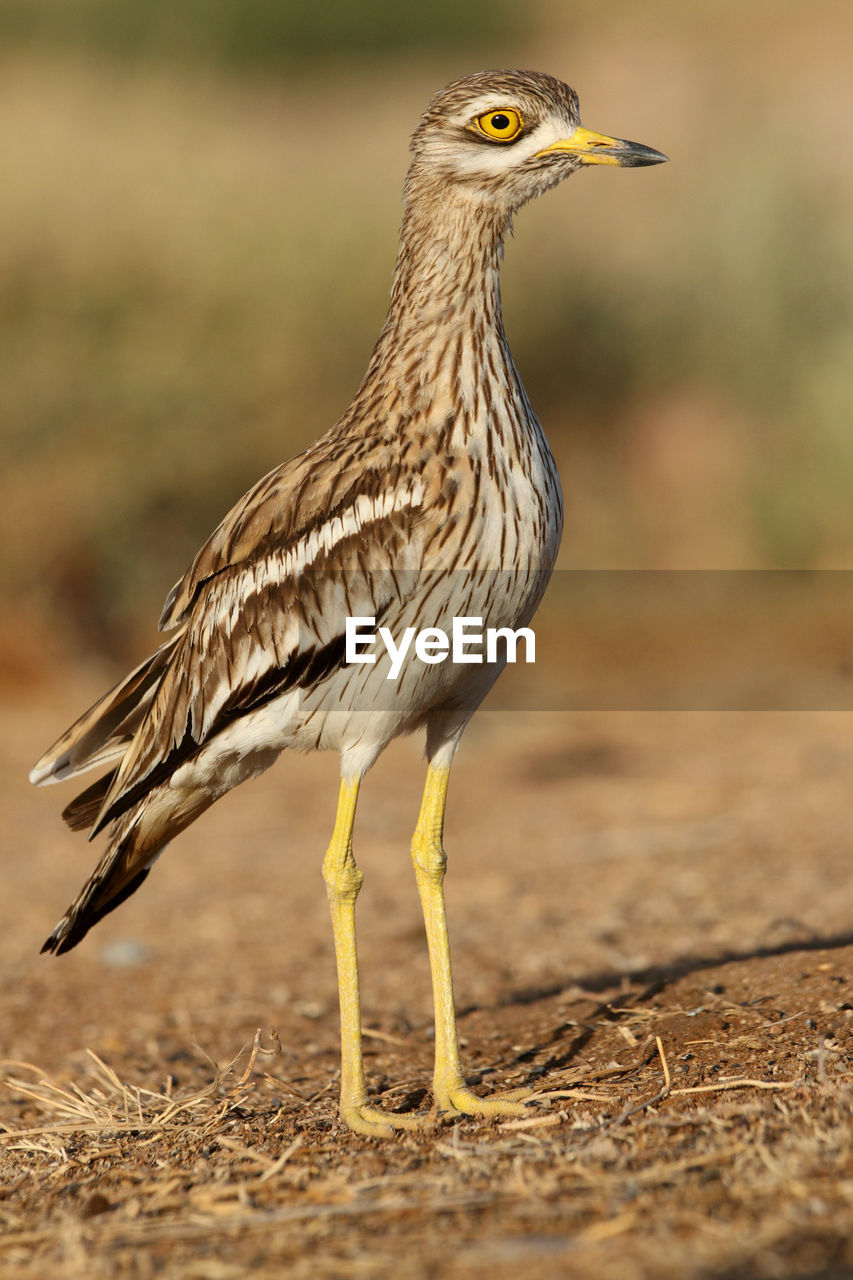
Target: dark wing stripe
<point>305,670</point>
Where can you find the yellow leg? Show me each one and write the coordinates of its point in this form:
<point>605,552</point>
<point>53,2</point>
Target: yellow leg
<point>451,1096</point>
<point>343,882</point>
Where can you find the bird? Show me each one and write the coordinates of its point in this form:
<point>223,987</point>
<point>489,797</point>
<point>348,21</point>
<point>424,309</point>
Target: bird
<point>435,496</point>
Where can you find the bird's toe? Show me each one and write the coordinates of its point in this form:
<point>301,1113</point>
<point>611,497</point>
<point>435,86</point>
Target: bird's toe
<point>462,1102</point>
<point>373,1122</point>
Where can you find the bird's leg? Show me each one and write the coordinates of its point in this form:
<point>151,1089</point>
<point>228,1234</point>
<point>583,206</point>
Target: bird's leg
<point>450,1093</point>
<point>343,882</point>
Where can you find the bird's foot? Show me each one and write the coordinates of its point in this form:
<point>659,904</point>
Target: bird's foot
<point>373,1122</point>
<point>450,1103</point>
<point>460,1101</point>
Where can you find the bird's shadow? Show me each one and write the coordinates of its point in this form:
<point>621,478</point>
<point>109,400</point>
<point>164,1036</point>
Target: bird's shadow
<point>644,983</point>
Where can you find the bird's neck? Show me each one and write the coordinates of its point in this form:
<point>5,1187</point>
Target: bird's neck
<point>445,309</point>
<point>449,261</point>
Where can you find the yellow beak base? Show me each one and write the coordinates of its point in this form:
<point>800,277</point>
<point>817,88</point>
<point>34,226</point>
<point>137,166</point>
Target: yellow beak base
<point>598,148</point>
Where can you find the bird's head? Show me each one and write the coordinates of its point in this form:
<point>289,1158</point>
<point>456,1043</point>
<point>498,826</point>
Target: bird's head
<point>504,137</point>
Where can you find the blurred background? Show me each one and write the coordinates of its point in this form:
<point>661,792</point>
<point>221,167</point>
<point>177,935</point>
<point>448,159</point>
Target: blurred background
<point>197,232</point>
<point>199,206</point>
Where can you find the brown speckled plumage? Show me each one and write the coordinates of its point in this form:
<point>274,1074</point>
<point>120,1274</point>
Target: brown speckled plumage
<point>435,495</point>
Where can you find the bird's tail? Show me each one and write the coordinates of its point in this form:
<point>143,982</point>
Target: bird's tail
<point>136,840</point>
<point>102,734</point>
<point>100,737</point>
<point>119,873</point>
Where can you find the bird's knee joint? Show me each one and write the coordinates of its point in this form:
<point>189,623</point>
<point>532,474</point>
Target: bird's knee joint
<point>343,879</point>
<point>430,859</point>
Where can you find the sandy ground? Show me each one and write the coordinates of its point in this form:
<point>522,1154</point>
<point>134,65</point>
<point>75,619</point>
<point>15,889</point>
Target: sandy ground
<point>651,921</point>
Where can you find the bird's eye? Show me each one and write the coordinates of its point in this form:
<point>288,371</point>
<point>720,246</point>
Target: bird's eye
<point>500,126</point>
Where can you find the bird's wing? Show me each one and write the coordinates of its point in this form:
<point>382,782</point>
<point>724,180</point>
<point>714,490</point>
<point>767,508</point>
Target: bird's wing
<point>336,478</point>
<point>263,608</point>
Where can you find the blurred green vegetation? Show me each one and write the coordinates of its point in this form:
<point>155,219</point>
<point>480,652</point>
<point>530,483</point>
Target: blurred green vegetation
<point>194,265</point>
<point>271,34</point>
<point>751,307</point>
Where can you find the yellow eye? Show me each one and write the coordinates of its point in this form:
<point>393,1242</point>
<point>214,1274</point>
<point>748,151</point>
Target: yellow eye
<point>500,126</point>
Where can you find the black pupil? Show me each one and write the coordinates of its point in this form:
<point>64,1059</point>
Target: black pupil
<point>500,121</point>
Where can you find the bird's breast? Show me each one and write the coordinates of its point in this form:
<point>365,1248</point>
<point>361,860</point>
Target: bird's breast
<point>497,498</point>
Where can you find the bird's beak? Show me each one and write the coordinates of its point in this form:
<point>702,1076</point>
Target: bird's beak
<point>598,148</point>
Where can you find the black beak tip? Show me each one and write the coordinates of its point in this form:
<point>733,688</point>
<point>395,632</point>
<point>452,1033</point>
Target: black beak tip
<point>638,156</point>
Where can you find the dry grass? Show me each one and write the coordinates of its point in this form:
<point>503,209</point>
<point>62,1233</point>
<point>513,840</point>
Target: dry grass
<point>113,1106</point>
